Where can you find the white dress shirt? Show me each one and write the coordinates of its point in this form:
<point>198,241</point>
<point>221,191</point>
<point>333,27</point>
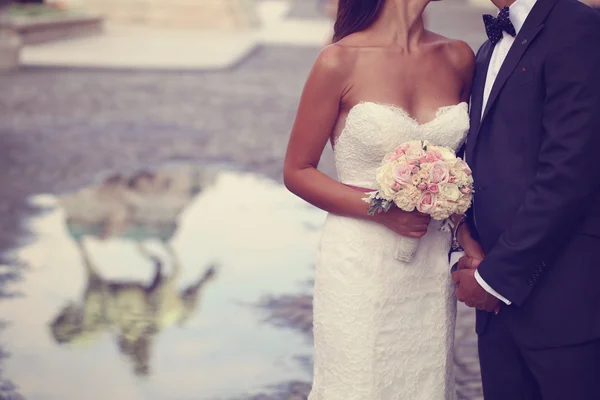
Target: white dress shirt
<point>519,11</point>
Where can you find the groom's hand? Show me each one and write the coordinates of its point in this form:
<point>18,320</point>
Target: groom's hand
<point>470,292</point>
<point>466,262</point>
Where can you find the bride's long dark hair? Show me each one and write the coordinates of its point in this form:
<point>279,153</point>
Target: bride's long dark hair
<point>355,16</point>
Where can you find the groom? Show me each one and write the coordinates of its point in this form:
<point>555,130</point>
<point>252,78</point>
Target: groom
<point>534,147</point>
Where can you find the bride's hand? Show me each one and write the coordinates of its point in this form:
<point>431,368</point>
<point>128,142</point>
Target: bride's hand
<point>473,250</point>
<point>411,224</point>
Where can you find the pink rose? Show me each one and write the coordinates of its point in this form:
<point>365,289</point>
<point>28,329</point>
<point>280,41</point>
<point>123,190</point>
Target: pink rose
<point>451,179</point>
<point>423,160</point>
<point>427,202</point>
<point>402,174</point>
<point>396,186</point>
<point>402,149</point>
<point>439,172</point>
<point>465,190</point>
<point>415,170</point>
<point>433,188</point>
<point>433,156</point>
<point>422,186</point>
<point>392,157</point>
<point>412,162</point>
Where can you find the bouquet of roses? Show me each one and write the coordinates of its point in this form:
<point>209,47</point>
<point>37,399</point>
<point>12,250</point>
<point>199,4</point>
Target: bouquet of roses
<point>421,176</point>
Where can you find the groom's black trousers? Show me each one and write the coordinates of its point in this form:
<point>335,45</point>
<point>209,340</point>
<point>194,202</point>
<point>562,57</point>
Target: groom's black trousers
<point>511,371</point>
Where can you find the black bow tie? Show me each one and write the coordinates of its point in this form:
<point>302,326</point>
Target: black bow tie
<point>495,26</point>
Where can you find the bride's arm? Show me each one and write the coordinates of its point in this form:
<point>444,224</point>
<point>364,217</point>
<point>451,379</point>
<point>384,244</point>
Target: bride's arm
<point>317,115</point>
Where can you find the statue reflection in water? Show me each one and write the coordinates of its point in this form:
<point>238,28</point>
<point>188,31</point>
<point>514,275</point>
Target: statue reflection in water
<point>145,206</point>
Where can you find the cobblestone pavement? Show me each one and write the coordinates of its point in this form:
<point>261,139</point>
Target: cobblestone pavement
<point>61,127</point>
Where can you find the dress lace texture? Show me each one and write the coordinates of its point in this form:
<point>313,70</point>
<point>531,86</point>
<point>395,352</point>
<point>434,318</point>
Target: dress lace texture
<point>384,330</point>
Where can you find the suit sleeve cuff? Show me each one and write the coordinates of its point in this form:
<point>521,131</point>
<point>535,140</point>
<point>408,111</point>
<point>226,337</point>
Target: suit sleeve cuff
<point>491,291</point>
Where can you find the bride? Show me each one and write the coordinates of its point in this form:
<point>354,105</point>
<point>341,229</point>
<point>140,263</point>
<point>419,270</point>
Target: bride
<point>383,329</point>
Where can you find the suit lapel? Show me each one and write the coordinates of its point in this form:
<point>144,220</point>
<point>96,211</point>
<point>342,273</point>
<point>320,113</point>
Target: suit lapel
<point>532,27</point>
<point>481,69</point>
<point>513,57</point>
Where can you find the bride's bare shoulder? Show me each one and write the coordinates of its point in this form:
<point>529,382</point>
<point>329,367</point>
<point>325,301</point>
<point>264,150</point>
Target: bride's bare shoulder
<point>335,59</point>
<point>458,53</point>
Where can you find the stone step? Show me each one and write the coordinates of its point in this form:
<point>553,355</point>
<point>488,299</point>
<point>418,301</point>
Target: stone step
<point>39,30</point>
<point>186,14</point>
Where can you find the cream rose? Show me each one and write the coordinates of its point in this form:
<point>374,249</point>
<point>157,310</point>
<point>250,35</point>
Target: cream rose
<point>450,191</point>
<point>463,167</point>
<point>403,201</point>
<point>443,210</point>
<point>447,154</point>
<point>463,205</point>
<point>424,172</point>
<point>385,181</point>
<point>413,194</point>
<point>460,179</point>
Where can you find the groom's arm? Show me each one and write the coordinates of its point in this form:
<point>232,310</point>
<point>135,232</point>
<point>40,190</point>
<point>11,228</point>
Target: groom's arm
<point>568,173</point>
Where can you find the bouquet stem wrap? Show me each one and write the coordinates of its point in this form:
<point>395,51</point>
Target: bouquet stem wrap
<point>406,248</point>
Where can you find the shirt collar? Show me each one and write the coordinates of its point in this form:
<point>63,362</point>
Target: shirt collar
<point>519,11</point>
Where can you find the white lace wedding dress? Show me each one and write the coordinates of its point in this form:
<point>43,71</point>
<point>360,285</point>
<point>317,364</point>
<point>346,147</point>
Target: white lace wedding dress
<point>384,330</point>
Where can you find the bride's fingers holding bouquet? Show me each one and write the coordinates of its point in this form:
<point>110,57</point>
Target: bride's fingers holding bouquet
<point>410,224</point>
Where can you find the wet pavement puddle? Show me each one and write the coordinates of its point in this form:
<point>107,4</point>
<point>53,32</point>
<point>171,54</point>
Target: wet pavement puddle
<point>174,283</point>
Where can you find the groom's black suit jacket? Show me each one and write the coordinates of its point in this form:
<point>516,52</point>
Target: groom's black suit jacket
<point>535,157</point>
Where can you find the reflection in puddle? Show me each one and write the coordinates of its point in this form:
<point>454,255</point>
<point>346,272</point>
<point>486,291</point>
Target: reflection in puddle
<point>138,287</point>
<point>134,311</point>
